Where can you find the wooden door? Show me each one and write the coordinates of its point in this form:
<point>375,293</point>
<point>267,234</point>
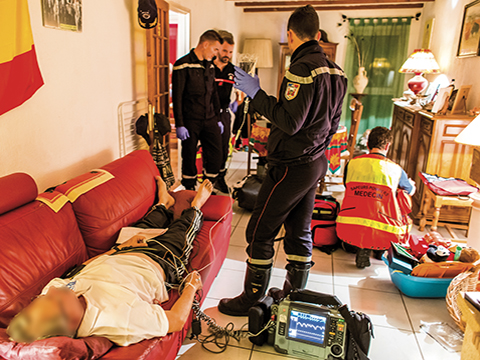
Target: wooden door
<point>158,64</point>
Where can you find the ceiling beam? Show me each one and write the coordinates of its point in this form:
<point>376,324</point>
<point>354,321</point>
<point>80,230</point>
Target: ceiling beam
<point>341,7</point>
<point>321,3</point>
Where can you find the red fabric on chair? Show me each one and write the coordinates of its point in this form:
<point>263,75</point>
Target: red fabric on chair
<point>37,245</point>
<point>16,190</point>
<point>57,348</point>
<point>105,209</point>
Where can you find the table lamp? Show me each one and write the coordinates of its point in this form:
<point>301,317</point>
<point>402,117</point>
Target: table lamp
<point>262,48</point>
<point>471,136</point>
<point>420,62</point>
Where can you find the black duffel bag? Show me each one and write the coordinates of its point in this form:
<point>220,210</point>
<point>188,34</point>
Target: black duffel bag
<point>246,191</point>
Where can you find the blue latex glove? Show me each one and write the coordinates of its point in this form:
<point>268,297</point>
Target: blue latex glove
<point>220,125</point>
<point>244,82</point>
<point>234,106</point>
<point>182,133</point>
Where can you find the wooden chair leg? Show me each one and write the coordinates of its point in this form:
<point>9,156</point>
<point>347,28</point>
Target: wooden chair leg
<point>436,215</point>
<point>425,207</point>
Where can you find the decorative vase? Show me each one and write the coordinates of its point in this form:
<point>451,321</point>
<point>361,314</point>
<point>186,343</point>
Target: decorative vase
<point>360,81</point>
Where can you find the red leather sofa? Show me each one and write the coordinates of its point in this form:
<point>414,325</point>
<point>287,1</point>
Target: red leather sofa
<point>42,236</point>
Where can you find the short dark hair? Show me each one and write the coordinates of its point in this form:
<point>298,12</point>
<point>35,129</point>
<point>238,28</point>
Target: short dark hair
<point>379,137</point>
<point>227,37</point>
<point>304,23</point>
<point>210,35</point>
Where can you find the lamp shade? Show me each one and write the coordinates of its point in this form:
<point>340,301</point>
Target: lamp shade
<point>421,61</point>
<point>471,134</point>
<point>262,48</point>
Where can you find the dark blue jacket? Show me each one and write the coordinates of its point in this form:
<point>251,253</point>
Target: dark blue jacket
<point>194,94</point>
<point>307,113</point>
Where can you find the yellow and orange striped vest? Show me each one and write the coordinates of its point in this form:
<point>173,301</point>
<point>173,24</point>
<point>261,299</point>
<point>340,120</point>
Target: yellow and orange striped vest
<point>370,216</point>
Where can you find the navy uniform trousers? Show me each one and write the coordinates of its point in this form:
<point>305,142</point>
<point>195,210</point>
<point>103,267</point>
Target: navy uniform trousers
<point>287,197</point>
<point>208,132</point>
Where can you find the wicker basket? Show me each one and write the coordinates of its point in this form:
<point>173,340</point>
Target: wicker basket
<point>466,281</point>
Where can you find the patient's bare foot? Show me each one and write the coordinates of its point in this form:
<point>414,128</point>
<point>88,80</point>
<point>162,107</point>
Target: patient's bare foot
<point>203,193</point>
<point>163,196</point>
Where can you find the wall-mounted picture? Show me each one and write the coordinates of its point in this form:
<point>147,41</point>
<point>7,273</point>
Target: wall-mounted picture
<point>427,33</point>
<point>62,14</point>
<point>470,34</point>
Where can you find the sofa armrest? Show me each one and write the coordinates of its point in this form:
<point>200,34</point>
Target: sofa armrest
<point>214,209</point>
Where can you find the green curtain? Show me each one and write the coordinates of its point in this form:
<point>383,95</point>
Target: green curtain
<point>384,44</point>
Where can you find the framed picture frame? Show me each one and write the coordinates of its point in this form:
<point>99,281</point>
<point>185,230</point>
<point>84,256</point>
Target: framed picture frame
<point>469,43</point>
<point>62,15</point>
<point>442,100</point>
<point>427,33</point>
<point>460,104</point>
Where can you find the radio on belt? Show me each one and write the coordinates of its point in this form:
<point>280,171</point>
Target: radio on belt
<point>309,331</point>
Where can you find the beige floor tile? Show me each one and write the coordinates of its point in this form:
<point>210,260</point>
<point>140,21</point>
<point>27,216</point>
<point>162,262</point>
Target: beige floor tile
<point>427,310</point>
<point>374,277</point>
<point>238,237</point>
<point>394,344</point>
<point>432,350</point>
<point>385,309</point>
<point>196,352</point>
<point>229,283</point>
<point>237,253</point>
<point>232,264</point>
<point>245,219</point>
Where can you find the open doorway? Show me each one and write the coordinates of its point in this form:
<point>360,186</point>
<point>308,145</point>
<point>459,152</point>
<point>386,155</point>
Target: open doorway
<point>179,26</point>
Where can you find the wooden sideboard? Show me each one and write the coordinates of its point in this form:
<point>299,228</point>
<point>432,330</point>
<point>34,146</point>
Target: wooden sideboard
<point>425,142</point>
<point>329,48</point>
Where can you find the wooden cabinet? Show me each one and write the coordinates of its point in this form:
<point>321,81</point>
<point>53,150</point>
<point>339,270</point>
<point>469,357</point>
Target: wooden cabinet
<point>424,142</point>
<point>330,50</point>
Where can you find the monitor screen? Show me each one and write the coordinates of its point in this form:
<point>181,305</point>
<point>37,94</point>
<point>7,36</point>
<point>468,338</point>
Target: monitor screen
<point>306,326</point>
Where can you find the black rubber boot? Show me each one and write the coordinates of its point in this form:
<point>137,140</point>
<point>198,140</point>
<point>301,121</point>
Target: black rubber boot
<point>363,258</point>
<point>297,276</point>
<point>220,184</point>
<point>256,283</point>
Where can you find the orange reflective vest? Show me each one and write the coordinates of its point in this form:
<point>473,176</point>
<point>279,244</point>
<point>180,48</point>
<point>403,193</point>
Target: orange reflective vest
<point>371,216</point>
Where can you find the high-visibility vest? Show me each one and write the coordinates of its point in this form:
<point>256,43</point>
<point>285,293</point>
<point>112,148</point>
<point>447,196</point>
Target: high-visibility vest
<point>371,217</point>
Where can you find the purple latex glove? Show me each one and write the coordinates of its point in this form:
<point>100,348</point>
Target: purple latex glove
<point>182,133</point>
<point>220,125</point>
<point>244,82</point>
<point>234,106</point>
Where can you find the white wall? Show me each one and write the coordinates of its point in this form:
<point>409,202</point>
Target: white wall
<point>448,16</point>
<point>274,26</point>
<point>70,125</point>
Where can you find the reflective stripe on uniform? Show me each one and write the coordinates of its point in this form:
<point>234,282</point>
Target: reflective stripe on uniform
<point>299,258</point>
<point>189,177</point>
<point>315,72</point>
<point>260,261</point>
<point>377,225</point>
<point>327,70</point>
<point>298,79</point>
<point>187,65</point>
<point>374,171</point>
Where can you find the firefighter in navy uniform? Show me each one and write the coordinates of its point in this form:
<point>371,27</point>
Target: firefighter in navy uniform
<point>224,73</point>
<point>196,108</point>
<point>304,119</point>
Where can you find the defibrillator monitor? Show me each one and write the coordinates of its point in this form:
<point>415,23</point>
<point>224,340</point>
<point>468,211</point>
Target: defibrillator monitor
<point>307,326</point>
<point>309,331</point>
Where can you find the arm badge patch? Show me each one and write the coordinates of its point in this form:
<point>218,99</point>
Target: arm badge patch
<point>292,90</point>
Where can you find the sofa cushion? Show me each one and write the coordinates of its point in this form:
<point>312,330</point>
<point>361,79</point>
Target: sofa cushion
<point>57,348</point>
<point>16,190</point>
<point>105,209</point>
<point>36,245</point>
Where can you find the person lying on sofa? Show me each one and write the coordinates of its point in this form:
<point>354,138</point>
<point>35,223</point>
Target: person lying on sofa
<point>116,294</point>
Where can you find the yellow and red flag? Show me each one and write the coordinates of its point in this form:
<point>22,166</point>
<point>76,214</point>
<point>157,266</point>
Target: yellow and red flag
<point>20,75</point>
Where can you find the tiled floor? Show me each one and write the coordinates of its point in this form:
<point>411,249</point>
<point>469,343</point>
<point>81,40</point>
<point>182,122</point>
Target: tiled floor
<point>396,317</point>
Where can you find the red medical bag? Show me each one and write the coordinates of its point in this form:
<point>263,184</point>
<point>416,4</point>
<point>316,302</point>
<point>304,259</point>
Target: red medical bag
<point>324,234</point>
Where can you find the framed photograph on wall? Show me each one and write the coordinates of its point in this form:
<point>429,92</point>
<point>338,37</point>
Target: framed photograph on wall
<point>62,15</point>
<point>470,35</point>
<point>427,33</point>
<point>460,104</point>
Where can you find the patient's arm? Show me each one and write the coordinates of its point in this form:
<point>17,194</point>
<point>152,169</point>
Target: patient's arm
<point>178,314</point>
